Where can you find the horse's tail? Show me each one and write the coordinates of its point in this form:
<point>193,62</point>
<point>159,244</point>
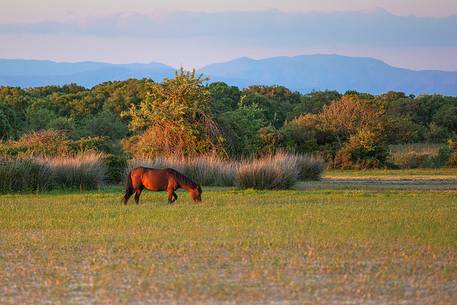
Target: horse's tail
<point>128,188</point>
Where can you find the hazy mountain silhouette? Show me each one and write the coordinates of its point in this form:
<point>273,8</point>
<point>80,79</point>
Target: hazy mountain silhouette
<point>302,73</point>
<point>28,73</point>
<point>319,72</point>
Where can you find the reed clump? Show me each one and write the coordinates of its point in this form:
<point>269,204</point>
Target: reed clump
<point>278,171</point>
<point>84,172</point>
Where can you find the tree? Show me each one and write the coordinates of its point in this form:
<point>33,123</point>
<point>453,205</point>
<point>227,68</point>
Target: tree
<point>226,98</point>
<point>176,118</point>
<point>275,102</point>
<point>105,123</point>
<point>446,118</point>
<point>8,122</point>
<point>314,102</point>
<point>357,128</point>
<point>240,128</point>
<point>300,135</point>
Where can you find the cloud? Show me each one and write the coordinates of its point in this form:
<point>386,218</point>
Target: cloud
<point>270,28</point>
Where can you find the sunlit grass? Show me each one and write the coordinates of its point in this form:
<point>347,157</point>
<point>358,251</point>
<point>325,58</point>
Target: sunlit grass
<point>419,173</point>
<point>248,247</point>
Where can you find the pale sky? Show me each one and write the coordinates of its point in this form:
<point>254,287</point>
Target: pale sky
<point>124,31</point>
<point>39,10</point>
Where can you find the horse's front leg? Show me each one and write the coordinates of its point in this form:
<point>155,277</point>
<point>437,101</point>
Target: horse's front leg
<point>171,196</point>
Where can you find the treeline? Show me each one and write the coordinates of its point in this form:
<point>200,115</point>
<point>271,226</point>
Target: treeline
<point>186,116</point>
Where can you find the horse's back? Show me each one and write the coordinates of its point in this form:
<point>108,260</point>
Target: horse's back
<point>151,178</point>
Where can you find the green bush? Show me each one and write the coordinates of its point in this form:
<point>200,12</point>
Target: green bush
<point>116,165</point>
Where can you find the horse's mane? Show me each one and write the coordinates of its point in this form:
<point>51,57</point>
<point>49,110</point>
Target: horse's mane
<point>181,178</point>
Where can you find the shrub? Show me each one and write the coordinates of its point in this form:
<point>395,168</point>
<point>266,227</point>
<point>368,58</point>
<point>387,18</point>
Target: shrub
<point>116,165</point>
<point>452,161</point>
<point>45,143</point>
<point>363,150</point>
<point>310,167</point>
<point>418,156</point>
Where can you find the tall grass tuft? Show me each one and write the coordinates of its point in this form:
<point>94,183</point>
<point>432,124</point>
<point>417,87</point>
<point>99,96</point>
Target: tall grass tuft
<point>25,176</point>
<point>205,170</point>
<point>274,172</point>
<point>85,171</point>
<point>310,167</point>
<point>280,171</point>
<point>211,171</point>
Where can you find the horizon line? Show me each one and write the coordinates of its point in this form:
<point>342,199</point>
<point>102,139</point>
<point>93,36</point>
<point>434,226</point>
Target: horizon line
<point>220,62</point>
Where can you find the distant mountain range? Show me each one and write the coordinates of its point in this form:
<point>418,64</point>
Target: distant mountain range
<point>302,73</point>
<point>31,73</point>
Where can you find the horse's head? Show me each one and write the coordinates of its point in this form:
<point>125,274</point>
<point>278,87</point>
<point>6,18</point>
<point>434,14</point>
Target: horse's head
<point>196,194</point>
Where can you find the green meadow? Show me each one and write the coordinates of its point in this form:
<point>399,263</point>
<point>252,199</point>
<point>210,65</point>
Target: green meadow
<point>302,246</point>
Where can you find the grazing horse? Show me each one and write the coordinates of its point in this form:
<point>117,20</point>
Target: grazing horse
<point>158,180</point>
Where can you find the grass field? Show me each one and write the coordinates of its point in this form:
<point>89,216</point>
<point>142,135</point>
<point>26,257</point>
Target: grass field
<point>420,173</point>
<point>411,179</point>
<point>239,247</point>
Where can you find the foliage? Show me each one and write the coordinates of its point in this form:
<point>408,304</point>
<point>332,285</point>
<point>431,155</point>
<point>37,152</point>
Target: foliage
<point>176,119</point>
<point>363,150</point>
<point>43,143</point>
<point>275,102</point>
<point>9,124</point>
<point>357,130</point>
<point>225,97</point>
<point>186,117</point>
<point>105,123</point>
<point>301,135</point>
<point>314,102</point>
<point>240,128</point>
<point>115,167</point>
<point>418,156</point>
<point>452,161</point>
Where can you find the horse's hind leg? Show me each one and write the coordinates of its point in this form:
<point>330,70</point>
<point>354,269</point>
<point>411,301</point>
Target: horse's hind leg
<point>175,197</point>
<point>127,196</point>
<point>137,195</point>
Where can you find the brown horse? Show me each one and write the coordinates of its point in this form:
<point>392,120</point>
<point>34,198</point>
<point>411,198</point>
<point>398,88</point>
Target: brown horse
<point>158,180</point>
